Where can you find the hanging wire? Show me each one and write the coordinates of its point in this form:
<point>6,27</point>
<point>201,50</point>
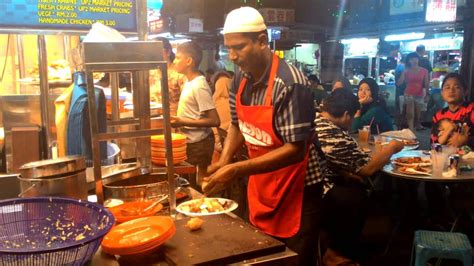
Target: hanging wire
<point>6,58</point>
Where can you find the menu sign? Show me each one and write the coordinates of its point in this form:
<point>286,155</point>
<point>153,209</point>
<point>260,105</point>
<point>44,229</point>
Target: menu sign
<point>68,15</point>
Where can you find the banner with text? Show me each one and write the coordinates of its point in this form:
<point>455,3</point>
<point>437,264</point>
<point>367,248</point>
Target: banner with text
<point>441,10</point>
<point>68,15</point>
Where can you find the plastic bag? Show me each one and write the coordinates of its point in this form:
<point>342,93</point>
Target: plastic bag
<point>101,33</point>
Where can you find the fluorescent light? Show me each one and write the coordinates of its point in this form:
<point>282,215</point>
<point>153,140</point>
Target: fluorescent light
<point>362,41</point>
<point>405,37</point>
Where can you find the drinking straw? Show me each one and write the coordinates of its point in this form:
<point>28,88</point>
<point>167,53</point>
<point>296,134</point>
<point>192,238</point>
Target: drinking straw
<point>371,121</point>
<point>378,130</point>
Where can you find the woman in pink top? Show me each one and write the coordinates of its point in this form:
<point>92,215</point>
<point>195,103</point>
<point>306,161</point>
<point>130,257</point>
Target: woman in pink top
<point>416,92</point>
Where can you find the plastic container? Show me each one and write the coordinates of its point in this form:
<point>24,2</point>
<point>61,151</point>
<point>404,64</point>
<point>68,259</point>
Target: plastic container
<point>51,231</point>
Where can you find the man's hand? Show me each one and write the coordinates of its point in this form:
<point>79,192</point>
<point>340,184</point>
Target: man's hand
<point>396,146</point>
<point>459,139</point>
<point>214,167</point>
<point>219,180</point>
<point>176,121</point>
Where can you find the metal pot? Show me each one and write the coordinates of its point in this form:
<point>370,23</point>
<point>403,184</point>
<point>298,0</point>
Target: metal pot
<point>62,177</point>
<point>138,187</point>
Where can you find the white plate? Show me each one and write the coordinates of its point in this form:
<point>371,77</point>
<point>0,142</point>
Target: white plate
<point>412,147</point>
<point>411,171</point>
<point>232,205</point>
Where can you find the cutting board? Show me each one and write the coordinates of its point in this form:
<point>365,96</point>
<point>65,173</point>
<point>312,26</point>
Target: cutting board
<point>221,240</point>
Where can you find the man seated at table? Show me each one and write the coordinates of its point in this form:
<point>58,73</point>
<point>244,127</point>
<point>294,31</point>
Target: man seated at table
<point>348,167</point>
<point>453,125</point>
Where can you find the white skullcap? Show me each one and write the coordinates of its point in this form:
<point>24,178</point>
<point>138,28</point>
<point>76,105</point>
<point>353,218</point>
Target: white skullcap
<point>244,19</point>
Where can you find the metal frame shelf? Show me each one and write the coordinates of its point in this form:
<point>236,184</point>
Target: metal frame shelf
<point>138,58</point>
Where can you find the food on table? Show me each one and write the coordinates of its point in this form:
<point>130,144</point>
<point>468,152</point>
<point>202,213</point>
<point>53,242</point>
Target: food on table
<point>412,161</point>
<point>410,142</point>
<point>415,170</point>
<point>194,223</point>
<point>205,205</point>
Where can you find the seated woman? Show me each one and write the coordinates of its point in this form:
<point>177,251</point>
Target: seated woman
<point>345,203</point>
<point>453,125</point>
<point>372,109</point>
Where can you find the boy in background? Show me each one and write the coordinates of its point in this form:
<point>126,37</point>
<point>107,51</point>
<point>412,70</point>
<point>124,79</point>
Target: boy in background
<point>196,111</point>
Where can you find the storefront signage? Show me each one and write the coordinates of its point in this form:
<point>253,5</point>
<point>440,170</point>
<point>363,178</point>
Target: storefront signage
<point>360,47</point>
<point>441,10</point>
<point>278,15</point>
<point>439,44</point>
<point>196,25</point>
<point>297,35</point>
<point>400,7</point>
<point>68,15</point>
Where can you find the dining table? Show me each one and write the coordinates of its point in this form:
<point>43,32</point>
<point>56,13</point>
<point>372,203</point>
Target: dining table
<point>464,175</point>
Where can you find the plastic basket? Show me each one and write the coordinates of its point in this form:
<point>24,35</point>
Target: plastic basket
<point>51,231</point>
<point>112,152</point>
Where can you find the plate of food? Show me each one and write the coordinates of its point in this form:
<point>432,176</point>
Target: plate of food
<point>417,170</point>
<point>206,206</point>
<point>411,144</point>
<point>413,161</point>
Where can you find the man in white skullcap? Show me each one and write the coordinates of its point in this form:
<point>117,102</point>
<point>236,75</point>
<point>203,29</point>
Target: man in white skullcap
<point>272,113</point>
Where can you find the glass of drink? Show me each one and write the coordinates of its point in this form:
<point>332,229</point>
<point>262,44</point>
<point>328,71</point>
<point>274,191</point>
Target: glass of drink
<point>364,135</point>
<point>439,161</point>
<point>379,141</point>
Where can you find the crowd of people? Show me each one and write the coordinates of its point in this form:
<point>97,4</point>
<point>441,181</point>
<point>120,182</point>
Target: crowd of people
<point>306,171</point>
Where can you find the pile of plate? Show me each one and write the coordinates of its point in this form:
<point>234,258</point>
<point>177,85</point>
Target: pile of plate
<point>158,150</point>
<point>138,236</point>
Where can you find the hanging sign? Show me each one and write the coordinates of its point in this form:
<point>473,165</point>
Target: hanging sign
<point>441,10</point>
<point>68,15</point>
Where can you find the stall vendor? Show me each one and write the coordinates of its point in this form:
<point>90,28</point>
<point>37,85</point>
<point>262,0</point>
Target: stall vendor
<point>272,112</point>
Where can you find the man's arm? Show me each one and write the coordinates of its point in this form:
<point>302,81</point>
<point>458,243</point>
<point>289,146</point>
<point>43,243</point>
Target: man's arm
<point>281,157</point>
<point>381,158</point>
<point>210,119</point>
<point>401,79</point>
<point>232,144</point>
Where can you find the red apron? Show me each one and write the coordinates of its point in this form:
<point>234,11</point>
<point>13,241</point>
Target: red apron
<point>275,198</point>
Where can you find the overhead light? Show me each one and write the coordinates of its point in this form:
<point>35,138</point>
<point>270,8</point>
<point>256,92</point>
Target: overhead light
<point>405,36</point>
<point>361,41</point>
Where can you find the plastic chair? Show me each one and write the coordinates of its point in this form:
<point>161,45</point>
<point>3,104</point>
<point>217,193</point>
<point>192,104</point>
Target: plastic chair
<point>445,245</point>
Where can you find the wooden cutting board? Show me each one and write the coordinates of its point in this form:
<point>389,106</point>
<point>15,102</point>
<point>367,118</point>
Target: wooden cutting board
<point>221,240</point>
